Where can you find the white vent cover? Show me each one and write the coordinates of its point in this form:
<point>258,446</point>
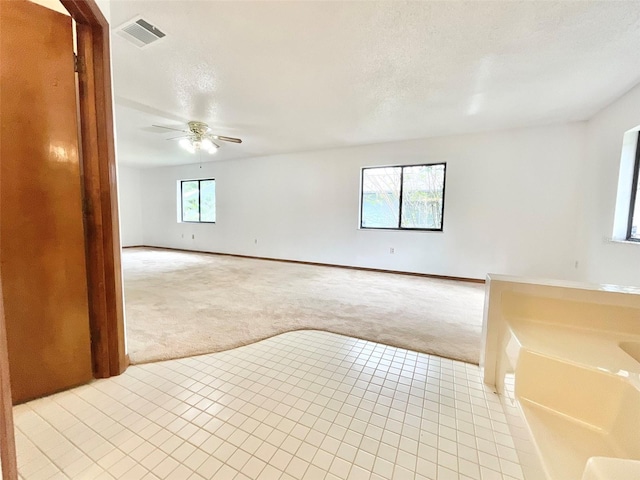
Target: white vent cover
<point>140,32</point>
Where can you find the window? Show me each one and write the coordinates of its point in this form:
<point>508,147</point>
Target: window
<point>633,227</point>
<point>409,197</point>
<point>198,200</point>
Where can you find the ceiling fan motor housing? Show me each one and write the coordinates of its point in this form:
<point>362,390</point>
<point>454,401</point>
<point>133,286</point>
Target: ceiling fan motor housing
<point>199,128</point>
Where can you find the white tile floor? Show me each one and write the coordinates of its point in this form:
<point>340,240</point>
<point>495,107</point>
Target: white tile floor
<point>302,405</point>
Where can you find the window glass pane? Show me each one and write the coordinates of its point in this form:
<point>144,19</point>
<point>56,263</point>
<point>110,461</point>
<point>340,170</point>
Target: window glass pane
<point>380,197</point>
<point>422,191</point>
<point>208,201</point>
<point>190,202</point>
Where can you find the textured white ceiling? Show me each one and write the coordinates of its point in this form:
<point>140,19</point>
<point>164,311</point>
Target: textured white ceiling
<point>297,76</point>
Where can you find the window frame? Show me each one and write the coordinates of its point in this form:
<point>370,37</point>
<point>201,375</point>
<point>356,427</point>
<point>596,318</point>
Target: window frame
<point>402,167</point>
<point>182,220</point>
<point>634,192</point>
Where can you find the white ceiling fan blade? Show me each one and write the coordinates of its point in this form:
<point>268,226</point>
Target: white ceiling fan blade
<point>175,138</point>
<point>170,128</point>
<point>211,138</point>
<point>227,139</point>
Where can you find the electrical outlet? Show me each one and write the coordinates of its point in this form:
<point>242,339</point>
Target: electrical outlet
<point>255,241</point>
<point>577,264</point>
<point>182,235</point>
<point>392,250</point>
<point>193,236</point>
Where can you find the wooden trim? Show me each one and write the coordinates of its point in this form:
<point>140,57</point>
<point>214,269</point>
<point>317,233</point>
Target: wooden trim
<point>318,264</point>
<point>92,209</point>
<point>86,12</point>
<point>101,209</point>
<point>100,189</point>
<point>7,435</point>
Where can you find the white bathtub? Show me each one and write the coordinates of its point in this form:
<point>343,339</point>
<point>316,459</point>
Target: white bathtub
<point>565,359</point>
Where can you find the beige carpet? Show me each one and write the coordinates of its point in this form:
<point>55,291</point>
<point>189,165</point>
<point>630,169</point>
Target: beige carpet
<point>180,304</point>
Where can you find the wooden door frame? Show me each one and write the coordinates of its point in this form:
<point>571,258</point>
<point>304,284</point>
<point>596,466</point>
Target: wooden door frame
<point>100,204</point>
<point>99,180</point>
<point>7,433</point>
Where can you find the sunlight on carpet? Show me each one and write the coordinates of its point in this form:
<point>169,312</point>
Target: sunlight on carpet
<point>180,304</point>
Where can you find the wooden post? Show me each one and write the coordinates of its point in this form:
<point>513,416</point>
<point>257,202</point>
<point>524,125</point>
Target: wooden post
<point>7,436</point>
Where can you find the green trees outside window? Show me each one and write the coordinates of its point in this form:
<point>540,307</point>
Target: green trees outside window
<point>407,197</point>
<point>198,200</point>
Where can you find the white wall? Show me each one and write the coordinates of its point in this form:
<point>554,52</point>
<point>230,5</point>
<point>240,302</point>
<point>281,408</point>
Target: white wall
<point>105,8</point>
<point>608,261</point>
<point>130,199</point>
<point>52,4</point>
<point>511,206</point>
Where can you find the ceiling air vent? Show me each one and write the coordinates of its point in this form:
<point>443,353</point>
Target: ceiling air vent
<point>140,32</point>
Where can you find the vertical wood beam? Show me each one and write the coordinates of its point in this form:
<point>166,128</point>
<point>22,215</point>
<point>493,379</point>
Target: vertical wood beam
<point>92,206</point>
<point>7,435</point>
<point>100,189</point>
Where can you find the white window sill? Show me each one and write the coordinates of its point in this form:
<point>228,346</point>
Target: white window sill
<point>627,242</point>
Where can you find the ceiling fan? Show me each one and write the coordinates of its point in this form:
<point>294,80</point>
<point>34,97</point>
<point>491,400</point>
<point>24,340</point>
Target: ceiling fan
<point>199,137</point>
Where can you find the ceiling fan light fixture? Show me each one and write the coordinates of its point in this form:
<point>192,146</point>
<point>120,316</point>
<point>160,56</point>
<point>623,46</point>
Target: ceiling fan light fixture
<point>198,138</point>
<point>206,144</point>
<point>188,145</point>
<point>193,145</point>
